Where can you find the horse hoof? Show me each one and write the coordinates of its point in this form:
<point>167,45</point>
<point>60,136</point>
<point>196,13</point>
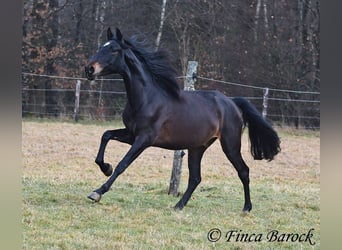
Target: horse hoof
<point>178,207</point>
<point>94,196</point>
<point>247,210</point>
<point>109,170</point>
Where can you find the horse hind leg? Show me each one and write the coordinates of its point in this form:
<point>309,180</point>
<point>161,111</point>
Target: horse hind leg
<point>231,147</point>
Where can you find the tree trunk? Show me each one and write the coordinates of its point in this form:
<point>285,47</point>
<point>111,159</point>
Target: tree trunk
<point>79,15</point>
<point>162,19</point>
<point>265,18</point>
<point>51,41</point>
<point>256,20</point>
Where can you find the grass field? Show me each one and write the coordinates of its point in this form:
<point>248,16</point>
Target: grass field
<point>59,172</point>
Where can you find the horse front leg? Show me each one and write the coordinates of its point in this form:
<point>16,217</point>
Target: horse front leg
<point>122,135</point>
<point>139,145</point>
<point>194,164</point>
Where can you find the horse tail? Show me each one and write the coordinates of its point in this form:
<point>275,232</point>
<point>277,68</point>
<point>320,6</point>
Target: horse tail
<point>265,143</point>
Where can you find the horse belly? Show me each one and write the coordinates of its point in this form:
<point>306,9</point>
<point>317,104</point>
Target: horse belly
<point>187,131</point>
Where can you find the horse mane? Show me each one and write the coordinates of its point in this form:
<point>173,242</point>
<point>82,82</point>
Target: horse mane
<point>158,64</point>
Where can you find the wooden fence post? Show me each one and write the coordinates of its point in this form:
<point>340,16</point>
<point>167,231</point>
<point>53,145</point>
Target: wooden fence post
<point>265,102</point>
<point>77,99</point>
<point>178,154</point>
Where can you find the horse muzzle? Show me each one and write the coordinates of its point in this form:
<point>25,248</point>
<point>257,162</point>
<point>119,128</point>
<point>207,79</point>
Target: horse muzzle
<point>91,70</point>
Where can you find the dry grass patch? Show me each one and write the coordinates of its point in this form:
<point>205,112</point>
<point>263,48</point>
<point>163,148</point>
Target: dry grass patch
<point>70,148</point>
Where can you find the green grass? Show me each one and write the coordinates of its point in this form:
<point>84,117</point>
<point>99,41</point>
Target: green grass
<point>137,213</point>
<point>133,216</point>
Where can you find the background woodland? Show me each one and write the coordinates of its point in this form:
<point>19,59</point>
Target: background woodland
<point>265,43</point>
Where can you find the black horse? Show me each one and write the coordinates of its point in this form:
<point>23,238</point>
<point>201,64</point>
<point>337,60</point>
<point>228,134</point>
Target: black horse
<point>158,113</point>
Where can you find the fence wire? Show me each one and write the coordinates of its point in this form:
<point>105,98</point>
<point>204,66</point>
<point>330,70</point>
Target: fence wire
<point>104,99</point>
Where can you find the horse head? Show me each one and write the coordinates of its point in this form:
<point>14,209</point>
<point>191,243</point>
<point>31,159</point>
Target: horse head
<point>109,58</point>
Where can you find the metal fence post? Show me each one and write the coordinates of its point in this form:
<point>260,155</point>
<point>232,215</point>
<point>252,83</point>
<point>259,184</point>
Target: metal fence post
<point>178,154</point>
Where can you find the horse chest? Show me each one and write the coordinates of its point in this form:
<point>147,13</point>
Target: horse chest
<point>141,120</point>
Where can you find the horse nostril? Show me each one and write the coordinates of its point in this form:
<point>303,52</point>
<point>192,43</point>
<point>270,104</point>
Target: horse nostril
<point>91,69</point>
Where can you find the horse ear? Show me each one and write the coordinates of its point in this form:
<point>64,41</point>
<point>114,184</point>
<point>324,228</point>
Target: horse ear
<point>118,35</point>
<point>109,34</point>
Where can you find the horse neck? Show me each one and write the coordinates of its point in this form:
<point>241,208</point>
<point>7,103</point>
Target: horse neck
<point>138,87</point>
